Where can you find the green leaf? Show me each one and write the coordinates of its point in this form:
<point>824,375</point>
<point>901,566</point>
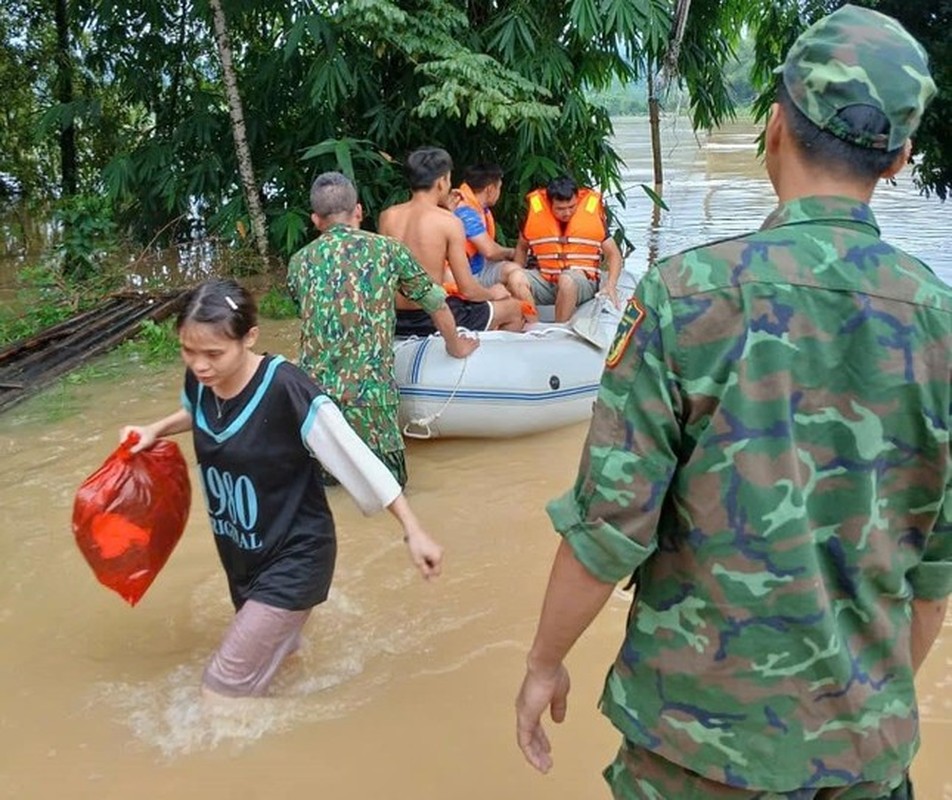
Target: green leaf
<point>655,197</point>
<point>344,162</point>
<point>584,15</point>
<point>321,149</point>
<point>289,230</point>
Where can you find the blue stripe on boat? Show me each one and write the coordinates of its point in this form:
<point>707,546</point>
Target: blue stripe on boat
<point>418,361</point>
<point>490,394</point>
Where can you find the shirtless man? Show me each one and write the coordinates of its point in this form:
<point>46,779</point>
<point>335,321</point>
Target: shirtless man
<point>437,240</point>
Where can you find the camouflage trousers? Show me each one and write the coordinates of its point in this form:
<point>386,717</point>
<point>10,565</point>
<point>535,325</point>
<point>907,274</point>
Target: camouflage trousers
<point>377,425</point>
<point>639,774</point>
<point>396,462</point>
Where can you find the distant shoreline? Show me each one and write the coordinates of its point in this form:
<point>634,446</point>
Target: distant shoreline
<point>745,115</point>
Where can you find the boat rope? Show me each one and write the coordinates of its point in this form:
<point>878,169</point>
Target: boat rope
<point>420,428</point>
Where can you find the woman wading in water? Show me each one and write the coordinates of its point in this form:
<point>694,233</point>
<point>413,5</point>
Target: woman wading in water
<point>262,430</point>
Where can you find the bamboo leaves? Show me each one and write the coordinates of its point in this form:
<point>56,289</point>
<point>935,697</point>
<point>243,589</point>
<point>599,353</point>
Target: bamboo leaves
<point>512,37</point>
<point>354,85</point>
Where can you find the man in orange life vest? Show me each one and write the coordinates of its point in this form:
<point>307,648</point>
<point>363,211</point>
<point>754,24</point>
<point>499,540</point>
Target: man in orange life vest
<point>565,230</point>
<point>490,262</point>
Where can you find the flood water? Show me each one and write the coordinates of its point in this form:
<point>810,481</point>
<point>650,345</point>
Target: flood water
<point>715,186</point>
<point>403,689</point>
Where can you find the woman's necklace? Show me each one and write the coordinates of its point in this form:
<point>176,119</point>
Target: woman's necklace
<point>251,369</point>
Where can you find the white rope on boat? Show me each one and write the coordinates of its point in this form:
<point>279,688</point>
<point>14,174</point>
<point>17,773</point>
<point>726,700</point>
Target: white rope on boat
<point>421,428</point>
<point>552,329</point>
<point>423,423</point>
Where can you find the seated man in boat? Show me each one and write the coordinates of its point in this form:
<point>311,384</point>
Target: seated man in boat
<point>489,261</point>
<point>567,234</point>
<point>436,238</point>
<point>345,283</point>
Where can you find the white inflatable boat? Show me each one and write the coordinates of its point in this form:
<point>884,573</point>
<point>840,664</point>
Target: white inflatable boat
<point>514,384</point>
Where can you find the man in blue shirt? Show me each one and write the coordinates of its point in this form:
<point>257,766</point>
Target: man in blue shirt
<point>490,262</point>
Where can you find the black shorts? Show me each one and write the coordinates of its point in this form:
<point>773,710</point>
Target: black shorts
<point>472,316</point>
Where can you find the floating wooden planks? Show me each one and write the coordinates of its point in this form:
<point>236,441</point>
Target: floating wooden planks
<point>30,364</point>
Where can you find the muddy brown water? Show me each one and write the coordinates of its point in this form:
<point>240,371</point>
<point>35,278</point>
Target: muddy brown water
<point>403,689</point>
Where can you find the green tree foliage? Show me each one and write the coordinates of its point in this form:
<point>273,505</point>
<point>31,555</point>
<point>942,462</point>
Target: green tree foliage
<point>27,86</point>
<point>33,114</point>
<point>928,20</point>
<point>711,38</point>
<point>355,85</point>
<point>737,73</point>
<point>173,158</point>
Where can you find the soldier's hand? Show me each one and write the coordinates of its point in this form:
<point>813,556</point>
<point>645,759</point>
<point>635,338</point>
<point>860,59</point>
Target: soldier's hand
<point>461,346</point>
<point>538,692</point>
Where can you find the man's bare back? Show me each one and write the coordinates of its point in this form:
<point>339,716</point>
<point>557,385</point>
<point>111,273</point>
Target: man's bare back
<point>426,230</point>
<point>436,238</point>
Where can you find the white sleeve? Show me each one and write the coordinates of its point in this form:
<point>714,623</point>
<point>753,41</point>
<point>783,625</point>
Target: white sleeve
<point>343,454</point>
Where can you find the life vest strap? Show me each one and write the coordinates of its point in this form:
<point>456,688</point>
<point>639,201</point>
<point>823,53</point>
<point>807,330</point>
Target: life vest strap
<point>565,240</point>
<point>569,257</point>
<point>552,274</point>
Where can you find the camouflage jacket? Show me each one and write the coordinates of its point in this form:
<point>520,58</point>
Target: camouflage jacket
<point>769,456</point>
<point>345,284</point>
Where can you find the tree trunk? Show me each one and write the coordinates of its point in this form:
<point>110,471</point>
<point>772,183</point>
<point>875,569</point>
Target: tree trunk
<point>242,151</point>
<point>654,124</point>
<point>69,172</point>
<point>654,233</point>
<point>678,26</point>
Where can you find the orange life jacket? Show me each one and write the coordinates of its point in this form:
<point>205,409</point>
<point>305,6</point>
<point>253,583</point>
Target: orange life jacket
<point>578,246</point>
<point>469,199</point>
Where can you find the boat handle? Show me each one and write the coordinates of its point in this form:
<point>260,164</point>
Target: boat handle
<point>418,429</point>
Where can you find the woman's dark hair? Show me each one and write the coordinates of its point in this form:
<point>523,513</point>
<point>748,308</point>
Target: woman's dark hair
<point>822,149</point>
<point>221,302</point>
<point>426,165</point>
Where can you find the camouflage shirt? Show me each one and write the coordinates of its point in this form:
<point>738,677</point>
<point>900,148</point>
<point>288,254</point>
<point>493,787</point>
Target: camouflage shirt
<point>769,456</point>
<point>345,283</point>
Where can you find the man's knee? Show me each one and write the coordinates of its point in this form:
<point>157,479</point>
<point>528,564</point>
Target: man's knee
<point>507,269</point>
<point>567,285</point>
<point>512,309</point>
<point>507,314</point>
<point>516,278</point>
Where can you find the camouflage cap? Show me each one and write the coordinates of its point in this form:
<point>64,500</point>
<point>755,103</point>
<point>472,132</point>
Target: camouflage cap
<point>856,56</point>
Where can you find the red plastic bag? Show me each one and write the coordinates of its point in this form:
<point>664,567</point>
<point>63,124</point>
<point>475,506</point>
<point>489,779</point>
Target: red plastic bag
<point>129,515</point>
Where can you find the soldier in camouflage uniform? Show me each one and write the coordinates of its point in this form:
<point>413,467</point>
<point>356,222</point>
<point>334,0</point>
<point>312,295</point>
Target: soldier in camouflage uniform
<point>769,458</point>
<point>345,283</point>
